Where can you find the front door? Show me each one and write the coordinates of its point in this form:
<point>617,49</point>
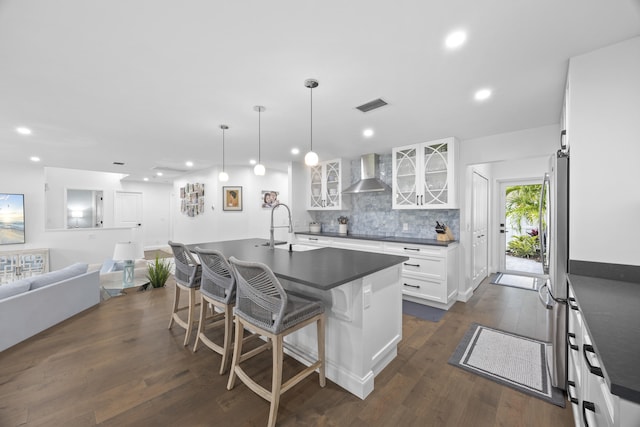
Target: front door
<point>519,227</point>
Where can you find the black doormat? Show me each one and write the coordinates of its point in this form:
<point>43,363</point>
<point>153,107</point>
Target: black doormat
<point>421,311</point>
<point>512,360</point>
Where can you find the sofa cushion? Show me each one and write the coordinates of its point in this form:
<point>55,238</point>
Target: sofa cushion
<point>107,266</point>
<point>72,270</point>
<point>15,288</point>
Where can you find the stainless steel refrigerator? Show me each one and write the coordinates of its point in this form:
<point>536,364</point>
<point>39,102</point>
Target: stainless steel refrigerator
<point>554,243</point>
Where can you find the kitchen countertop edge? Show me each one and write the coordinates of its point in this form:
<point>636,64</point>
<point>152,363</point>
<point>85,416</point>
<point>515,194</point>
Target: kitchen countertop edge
<point>610,310</point>
<point>390,239</point>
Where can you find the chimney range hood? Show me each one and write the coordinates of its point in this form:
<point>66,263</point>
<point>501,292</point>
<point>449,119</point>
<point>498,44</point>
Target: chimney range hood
<point>369,177</point>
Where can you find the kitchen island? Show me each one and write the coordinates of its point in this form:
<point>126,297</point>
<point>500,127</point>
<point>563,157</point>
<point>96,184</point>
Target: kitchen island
<point>363,300</point>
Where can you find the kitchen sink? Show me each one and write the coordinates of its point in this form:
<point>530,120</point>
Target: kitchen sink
<point>298,248</point>
<point>277,242</point>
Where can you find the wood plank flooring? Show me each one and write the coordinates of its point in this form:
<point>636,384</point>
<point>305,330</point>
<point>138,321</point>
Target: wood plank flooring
<point>117,365</point>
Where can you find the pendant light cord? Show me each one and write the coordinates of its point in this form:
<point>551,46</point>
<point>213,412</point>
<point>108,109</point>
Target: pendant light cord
<point>311,127</point>
<point>259,128</point>
<point>222,149</point>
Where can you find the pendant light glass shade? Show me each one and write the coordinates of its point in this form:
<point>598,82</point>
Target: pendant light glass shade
<point>311,158</point>
<point>259,169</point>
<point>223,176</point>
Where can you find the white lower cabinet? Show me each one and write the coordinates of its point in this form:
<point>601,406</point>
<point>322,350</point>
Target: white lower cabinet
<point>429,276</point>
<point>592,402</point>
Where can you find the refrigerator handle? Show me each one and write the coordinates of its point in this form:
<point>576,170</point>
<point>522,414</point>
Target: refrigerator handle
<point>545,299</point>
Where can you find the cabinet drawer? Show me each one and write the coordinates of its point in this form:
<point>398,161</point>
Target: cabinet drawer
<point>414,250</point>
<point>428,289</point>
<point>433,268</point>
<point>358,245</point>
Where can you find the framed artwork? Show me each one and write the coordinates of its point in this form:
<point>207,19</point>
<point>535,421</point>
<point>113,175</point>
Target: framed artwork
<point>11,218</point>
<point>269,199</point>
<point>231,198</point>
<point>192,199</point>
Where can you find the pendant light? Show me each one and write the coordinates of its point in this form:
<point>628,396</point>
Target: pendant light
<point>259,168</point>
<point>311,158</point>
<point>223,176</point>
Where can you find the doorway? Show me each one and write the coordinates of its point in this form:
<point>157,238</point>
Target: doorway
<point>519,244</point>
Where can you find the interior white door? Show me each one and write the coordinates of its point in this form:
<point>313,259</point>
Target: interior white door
<point>128,209</point>
<point>480,225</point>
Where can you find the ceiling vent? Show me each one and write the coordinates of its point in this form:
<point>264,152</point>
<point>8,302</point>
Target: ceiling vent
<point>372,105</point>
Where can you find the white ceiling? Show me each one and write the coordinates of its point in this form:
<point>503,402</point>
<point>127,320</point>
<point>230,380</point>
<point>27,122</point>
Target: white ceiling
<point>148,82</point>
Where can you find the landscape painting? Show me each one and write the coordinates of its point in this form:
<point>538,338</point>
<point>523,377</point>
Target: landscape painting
<point>11,218</point>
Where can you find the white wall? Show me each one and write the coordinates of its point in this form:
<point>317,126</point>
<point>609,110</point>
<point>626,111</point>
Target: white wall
<point>215,224</point>
<point>604,135</point>
<point>504,148</point>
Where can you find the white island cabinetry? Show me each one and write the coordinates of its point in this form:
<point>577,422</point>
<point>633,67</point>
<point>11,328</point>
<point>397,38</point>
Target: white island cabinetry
<point>429,277</point>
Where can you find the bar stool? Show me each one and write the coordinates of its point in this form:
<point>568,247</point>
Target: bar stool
<point>263,307</point>
<point>187,273</point>
<point>218,288</point>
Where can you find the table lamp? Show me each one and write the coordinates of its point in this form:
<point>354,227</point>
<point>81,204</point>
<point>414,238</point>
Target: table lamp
<point>127,252</point>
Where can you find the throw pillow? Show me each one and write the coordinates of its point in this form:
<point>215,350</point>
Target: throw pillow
<point>15,288</point>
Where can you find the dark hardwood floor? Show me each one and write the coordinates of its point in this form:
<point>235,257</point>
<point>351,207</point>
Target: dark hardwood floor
<point>117,365</point>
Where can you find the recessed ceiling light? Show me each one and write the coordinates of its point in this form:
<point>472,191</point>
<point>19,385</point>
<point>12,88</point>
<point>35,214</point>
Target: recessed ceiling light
<point>34,158</point>
<point>189,163</point>
<point>368,133</point>
<point>23,131</point>
<point>482,94</point>
<point>295,151</point>
<point>455,39</point>
<point>158,173</point>
<point>252,162</point>
<point>145,179</point>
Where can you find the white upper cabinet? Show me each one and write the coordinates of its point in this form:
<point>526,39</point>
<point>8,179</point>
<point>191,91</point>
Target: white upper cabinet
<point>326,182</point>
<point>424,175</point>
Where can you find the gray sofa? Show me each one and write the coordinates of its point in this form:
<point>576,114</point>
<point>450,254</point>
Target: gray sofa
<point>31,305</point>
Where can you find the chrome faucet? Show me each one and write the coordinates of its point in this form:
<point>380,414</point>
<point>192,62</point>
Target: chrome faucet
<point>271,241</point>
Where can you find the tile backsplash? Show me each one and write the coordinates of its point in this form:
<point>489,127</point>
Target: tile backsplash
<point>371,213</point>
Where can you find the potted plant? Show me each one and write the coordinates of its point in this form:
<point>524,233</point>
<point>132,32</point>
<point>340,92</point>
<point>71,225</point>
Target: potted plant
<point>314,227</point>
<point>342,224</point>
<point>158,272</point>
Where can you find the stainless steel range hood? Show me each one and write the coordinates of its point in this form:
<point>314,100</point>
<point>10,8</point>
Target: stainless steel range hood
<point>369,174</point>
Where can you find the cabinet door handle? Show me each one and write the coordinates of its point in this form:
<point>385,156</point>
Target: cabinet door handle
<point>571,335</point>
<point>412,249</point>
<point>411,265</point>
<point>422,200</point>
<point>586,405</point>
<point>412,286</point>
<point>595,370</point>
<point>572,399</point>
<point>313,238</point>
<point>417,199</point>
<point>573,305</point>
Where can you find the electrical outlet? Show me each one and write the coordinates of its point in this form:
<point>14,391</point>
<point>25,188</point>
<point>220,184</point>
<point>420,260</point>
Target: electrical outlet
<point>405,227</point>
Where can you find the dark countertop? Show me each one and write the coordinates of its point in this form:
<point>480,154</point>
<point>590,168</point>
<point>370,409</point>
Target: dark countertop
<point>611,312</point>
<point>395,239</point>
<point>322,268</point>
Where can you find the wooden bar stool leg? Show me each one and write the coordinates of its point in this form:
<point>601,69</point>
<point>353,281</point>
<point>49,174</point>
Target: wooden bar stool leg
<point>320,324</point>
<point>228,330</point>
<point>237,352</point>
<point>203,313</point>
<point>176,301</point>
<point>192,303</point>
<point>276,381</point>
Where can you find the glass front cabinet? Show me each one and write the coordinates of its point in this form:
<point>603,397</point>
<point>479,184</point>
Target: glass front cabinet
<point>326,185</point>
<point>424,175</point>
